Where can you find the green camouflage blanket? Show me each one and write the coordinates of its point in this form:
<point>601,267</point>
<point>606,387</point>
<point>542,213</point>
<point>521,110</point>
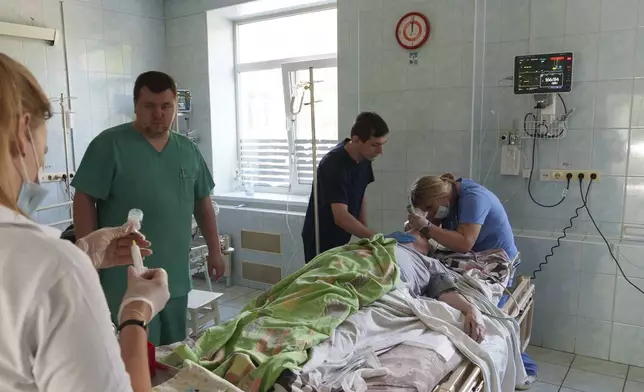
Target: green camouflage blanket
<point>275,331</point>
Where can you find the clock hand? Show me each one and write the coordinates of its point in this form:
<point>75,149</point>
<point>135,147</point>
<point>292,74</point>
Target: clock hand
<point>413,19</point>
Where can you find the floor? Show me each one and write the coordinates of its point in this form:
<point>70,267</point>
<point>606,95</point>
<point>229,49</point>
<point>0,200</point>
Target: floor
<point>233,300</point>
<point>558,371</point>
<point>565,372</point>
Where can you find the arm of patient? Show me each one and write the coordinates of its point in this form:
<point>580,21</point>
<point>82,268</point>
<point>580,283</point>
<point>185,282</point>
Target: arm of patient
<point>443,288</point>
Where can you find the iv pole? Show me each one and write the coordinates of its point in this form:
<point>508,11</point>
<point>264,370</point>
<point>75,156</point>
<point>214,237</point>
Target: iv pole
<point>315,161</point>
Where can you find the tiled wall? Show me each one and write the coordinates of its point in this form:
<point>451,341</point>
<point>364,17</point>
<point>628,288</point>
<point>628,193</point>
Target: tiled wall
<point>233,220</point>
<point>583,305</point>
<point>109,43</point>
<point>428,107</point>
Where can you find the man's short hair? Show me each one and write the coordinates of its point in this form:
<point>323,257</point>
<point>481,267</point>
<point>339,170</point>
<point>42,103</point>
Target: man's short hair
<point>368,125</point>
<point>155,81</point>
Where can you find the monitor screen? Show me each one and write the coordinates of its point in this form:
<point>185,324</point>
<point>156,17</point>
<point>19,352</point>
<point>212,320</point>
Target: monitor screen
<point>543,73</point>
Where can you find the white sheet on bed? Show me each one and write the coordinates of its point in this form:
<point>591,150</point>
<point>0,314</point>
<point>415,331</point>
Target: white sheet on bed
<point>356,343</point>
<point>399,317</point>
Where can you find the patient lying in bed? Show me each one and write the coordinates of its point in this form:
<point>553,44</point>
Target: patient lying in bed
<point>429,278</point>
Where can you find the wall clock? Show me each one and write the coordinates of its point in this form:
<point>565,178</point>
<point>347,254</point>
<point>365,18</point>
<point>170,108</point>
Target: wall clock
<point>412,30</point>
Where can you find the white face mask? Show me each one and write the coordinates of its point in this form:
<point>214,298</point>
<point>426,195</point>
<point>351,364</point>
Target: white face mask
<point>31,194</point>
<point>442,212</point>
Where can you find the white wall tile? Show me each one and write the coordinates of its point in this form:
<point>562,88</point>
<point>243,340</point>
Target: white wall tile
<point>619,14</point>
<point>560,334</point>
<point>636,158</point>
<point>515,20</point>
<point>585,48</point>
<point>616,45</point>
<point>609,188</point>
<point>626,344</point>
<point>547,18</point>
<point>629,303</point>
<point>613,104</point>
<point>609,154</point>
<point>593,338</point>
<point>583,16</point>
<point>95,55</point>
<point>596,296</point>
<point>630,259</point>
<point>573,150</point>
<point>633,212</point>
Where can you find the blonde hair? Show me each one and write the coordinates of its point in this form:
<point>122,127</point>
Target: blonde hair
<point>20,93</point>
<point>426,190</point>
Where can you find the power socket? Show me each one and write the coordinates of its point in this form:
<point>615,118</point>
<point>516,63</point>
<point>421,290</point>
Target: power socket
<point>559,175</point>
<point>55,176</point>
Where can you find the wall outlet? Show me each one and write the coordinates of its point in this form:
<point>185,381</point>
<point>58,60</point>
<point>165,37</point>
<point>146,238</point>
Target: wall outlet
<point>55,176</point>
<point>560,175</point>
<point>526,173</point>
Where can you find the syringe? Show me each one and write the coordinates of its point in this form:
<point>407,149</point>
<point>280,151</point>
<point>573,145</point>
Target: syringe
<point>134,217</point>
<point>136,258</point>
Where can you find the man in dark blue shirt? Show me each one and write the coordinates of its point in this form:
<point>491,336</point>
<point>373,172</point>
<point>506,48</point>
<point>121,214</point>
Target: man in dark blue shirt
<point>343,176</point>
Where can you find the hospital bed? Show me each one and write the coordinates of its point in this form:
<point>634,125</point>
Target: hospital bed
<point>455,375</point>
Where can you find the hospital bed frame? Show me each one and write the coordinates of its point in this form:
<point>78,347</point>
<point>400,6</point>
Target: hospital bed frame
<point>467,377</point>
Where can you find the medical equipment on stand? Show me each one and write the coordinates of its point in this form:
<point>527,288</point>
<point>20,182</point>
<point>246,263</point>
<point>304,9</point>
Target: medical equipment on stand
<point>184,111</point>
<point>67,122</point>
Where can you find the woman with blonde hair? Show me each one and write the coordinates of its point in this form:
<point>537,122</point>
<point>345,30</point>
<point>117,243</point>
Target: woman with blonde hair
<point>461,215</point>
<point>55,328</point>
<point>464,216</point>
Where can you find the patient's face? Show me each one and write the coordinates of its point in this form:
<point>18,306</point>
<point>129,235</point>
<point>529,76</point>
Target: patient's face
<point>420,244</point>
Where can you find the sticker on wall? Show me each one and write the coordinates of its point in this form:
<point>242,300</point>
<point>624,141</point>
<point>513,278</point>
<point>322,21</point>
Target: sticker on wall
<point>413,58</point>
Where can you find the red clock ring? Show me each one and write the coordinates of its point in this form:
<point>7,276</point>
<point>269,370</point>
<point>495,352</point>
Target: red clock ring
<point>422,41</point>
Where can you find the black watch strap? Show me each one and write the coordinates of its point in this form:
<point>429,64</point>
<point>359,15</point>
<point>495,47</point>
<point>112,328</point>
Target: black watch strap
<point>139,323</point>
<point>425,232</point>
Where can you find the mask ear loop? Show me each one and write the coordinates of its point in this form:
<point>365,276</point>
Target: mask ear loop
<point>24,166</point>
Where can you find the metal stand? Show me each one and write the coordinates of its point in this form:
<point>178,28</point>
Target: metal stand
<point>315,163</point>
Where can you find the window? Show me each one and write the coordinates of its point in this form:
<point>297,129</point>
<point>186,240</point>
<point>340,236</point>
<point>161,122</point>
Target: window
<point>273,62</point>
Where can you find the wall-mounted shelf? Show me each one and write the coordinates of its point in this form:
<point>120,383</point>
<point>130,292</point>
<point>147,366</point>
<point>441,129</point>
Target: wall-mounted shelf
<point>32,32</point>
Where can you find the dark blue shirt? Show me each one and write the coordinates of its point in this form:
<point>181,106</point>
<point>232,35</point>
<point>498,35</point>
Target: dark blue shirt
<point>340,180</point>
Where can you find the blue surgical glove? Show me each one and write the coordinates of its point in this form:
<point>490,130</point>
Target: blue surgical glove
<point>401,237</point>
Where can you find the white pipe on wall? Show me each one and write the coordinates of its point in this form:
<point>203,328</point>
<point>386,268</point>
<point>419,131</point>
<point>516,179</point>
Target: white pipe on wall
<point>30,32</point>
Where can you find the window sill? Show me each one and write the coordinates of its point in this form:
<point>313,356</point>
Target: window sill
<point>262,198</point>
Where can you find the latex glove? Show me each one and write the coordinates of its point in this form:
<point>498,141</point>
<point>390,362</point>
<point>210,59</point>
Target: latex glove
<point>474,326</point>
<point>401,237</point>
<point>110,246</point>
<point>416,221</point>
<point>151,287</point>
<point>407,226</point>
<point>216,266</point>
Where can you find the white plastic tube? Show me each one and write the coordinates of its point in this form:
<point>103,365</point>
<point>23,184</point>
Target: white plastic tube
<point>134,217</point>
<point>136,258</point>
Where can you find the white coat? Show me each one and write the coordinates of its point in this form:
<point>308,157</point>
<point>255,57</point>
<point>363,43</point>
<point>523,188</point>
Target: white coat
<point>55,328</point>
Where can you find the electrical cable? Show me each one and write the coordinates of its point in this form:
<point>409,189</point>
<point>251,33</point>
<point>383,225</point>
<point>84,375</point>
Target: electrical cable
<point>565,192</point>
<point>610,251</point>
<point>561,237</point>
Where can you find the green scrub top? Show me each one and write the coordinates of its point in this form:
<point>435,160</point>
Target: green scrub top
<point>122,170</point>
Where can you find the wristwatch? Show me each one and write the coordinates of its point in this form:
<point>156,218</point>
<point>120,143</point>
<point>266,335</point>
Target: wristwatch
<point>125,323</point>
<point>425,232</point>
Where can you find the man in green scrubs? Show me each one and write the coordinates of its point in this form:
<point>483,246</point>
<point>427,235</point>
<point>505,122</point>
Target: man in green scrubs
<point>144,165</point>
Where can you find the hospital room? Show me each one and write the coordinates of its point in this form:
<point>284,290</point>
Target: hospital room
<point>342,195</point>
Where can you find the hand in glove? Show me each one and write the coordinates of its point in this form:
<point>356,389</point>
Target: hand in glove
<point>110,247</point>
<point>401,237</point>
<point>151,288</point>
<point>416,221</point>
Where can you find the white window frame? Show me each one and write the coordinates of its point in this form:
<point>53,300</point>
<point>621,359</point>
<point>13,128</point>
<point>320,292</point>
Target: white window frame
<point>287,65</point>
